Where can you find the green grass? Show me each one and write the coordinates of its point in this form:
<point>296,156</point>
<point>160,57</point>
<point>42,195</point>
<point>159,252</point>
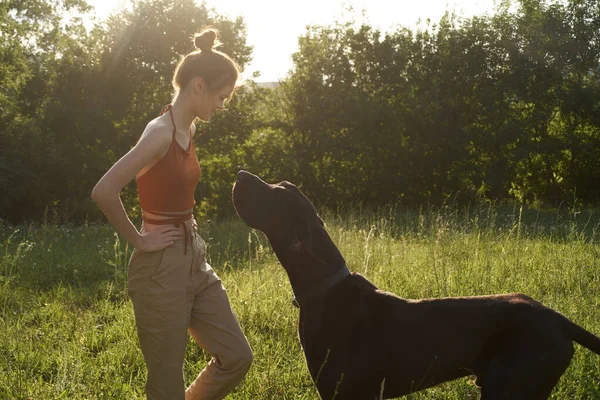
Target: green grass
<point>67,328</point>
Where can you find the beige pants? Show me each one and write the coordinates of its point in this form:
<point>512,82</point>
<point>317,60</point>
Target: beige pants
<point>171,293</point>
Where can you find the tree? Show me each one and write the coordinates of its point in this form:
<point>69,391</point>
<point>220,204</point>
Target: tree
<point>34,39</point>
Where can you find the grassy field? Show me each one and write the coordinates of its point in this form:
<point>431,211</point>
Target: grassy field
<point>67,329</point>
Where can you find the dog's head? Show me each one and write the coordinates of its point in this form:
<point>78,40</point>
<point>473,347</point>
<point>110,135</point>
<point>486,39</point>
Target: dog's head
<point>287,217</point>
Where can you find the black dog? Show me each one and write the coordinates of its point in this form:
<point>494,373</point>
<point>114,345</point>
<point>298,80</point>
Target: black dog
<point>362,343</point>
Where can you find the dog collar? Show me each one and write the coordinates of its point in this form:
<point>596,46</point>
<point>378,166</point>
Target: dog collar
<point>321,287</point>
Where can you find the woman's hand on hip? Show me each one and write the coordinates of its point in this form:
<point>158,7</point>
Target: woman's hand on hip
<point>159,238</point>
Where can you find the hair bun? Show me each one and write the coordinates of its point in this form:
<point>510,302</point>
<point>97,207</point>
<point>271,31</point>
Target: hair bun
<point>205,40</point>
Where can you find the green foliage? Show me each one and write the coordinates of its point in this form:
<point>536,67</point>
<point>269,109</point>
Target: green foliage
<point>498,107</point>
<point>470,108</point>
<point>221,148</point>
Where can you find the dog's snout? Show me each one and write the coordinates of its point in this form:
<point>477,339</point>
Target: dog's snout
<point>242,175</point>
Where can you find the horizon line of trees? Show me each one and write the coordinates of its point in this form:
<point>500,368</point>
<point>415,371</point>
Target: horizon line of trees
<point>500,107</point>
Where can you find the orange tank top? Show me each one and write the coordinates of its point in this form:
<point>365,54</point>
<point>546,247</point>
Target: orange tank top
<point>170,184</point>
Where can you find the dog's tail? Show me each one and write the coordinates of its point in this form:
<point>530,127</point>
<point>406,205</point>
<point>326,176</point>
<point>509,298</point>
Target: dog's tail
<point>583,337</point>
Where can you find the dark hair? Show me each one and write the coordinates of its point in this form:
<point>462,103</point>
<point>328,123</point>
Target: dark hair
<point>215,67</point>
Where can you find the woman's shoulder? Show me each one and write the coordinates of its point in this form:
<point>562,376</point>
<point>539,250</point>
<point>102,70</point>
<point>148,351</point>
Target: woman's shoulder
<point>157,128</point>
<point>156,139</point>
<point>154,142</point>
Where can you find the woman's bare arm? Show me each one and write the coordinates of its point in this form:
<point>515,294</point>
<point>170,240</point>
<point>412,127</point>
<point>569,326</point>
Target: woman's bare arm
<point>152,146</point>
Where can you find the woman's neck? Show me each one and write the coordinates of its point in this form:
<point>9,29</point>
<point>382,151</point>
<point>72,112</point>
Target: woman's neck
<point>182,113</point>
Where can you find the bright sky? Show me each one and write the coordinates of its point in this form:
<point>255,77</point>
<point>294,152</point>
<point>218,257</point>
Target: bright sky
<point>273,26</point>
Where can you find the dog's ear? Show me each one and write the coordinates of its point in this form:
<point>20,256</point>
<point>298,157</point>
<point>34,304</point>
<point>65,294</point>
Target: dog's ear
<point>302,240</point>
<point>305,222</point>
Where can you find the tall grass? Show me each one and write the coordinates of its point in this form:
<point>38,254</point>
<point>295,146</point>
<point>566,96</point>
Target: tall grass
<point>67,328</point>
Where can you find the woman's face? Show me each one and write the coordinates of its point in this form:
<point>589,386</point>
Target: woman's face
<point>212,101</point>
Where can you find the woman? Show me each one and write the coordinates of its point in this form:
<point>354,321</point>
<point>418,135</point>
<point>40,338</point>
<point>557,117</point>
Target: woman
<point>171,285</point>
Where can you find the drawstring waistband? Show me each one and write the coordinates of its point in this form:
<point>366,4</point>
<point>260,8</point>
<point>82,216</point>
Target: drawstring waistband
<point>176,221</point>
